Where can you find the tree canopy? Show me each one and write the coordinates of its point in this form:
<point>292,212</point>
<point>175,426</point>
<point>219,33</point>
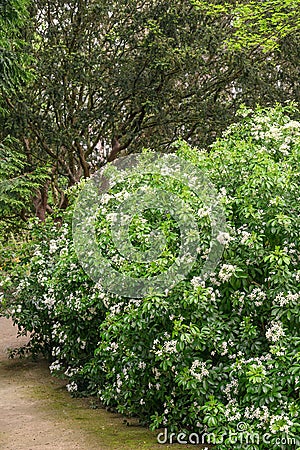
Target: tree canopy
<point>104,79</point>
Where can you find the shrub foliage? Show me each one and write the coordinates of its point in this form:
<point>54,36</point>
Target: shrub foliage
<point>206,356</point>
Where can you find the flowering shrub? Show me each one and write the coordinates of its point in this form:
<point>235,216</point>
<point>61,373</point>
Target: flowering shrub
<point>207,355</point>
<point>49,295</point>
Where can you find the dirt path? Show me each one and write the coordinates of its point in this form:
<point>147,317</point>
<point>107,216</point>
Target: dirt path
<point>24,424</point>
<point>36,412</point>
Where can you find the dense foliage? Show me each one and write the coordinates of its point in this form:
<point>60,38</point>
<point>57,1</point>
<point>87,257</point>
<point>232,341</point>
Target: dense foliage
<point>207,355</point>
<point>19,181</point>
<point>90,80</point>
<point>20,176</point>
<point>13,57</point>
<point>257,24</point>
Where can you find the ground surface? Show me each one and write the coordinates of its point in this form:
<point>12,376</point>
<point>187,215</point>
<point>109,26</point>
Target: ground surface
<point>36,412</point>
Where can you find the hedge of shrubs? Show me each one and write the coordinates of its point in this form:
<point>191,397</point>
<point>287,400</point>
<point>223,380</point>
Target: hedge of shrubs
<point>205,356</point>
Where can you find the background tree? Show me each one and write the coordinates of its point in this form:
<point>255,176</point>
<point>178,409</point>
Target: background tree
<point>257,24</point>
<point>112,77</point>
<point>117,76</point>
<point>13,15</point>
<point>267,35</point>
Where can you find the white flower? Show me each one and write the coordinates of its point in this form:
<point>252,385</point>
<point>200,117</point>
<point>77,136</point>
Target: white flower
<point>226,272</point>
<point>170,346</point>
<point>280,423</point>
<point>245,237</point>
<point>105,198</point>
<point>274,133</point>
<point>275,332</point>
<point>54,366</point>
<point>258,296</point>
<point>156,372</point>
<point>52,246</point>
<point>225,348</point>
<point>203,212</point>
<point>283,300</point>
<point>284,149</point>
<point>199,370</point>
<point>292,124</point>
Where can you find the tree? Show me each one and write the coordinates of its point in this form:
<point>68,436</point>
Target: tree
<point>267,35</point>
<point>257,24</point>
<point>113,77</point>
<point>19,177</point>
<point>118,76</point>
<point>18,182</point>
<point>13,15</point>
